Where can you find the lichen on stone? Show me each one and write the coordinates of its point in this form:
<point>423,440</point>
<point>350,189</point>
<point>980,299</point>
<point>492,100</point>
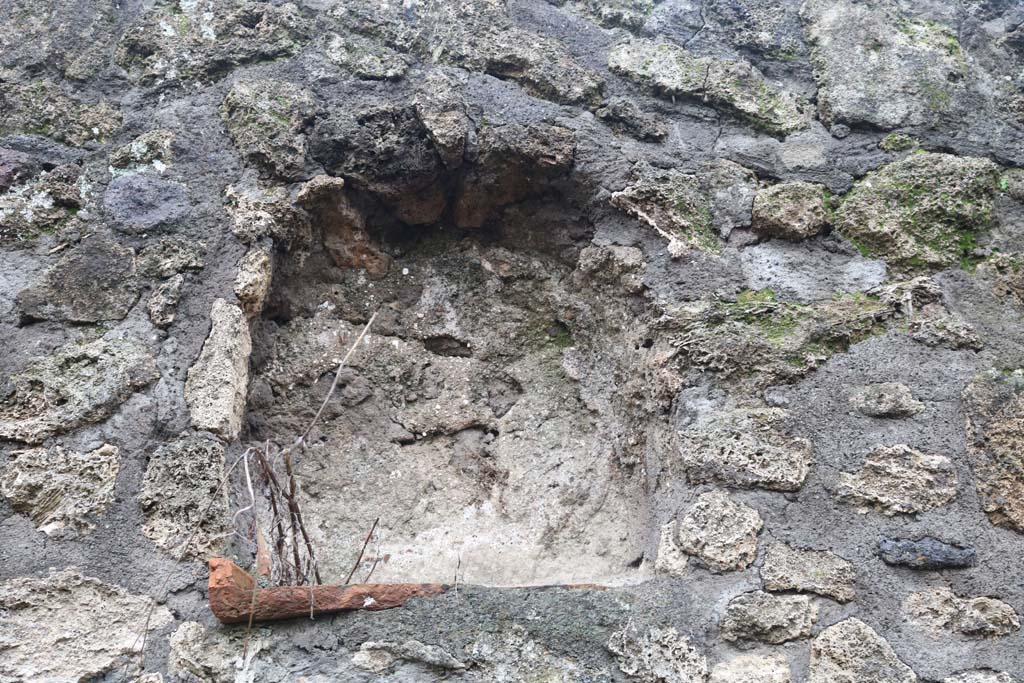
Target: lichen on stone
<point>734,85</point>
<point>925,212</point>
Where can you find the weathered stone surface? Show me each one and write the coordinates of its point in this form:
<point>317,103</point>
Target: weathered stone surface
<point>343,226</point>
<point>792,211</point>
<point>477,36</point>
<point>877,67</point>
<point>671,202</point>
<point>167,256</point>
<point>621,267</point>
<point>386,149</point>
<point>504,655</point>
<point>900,480</point>
<point>182,495</point>
<point>768,618</point>
<point>980,676</point>
<point>658,655</point>
<point>923,212</point>
<point>752,669</point>
<point>378,656</point>
<point>886,399</point>
<point>252,283</point>
<point>925,553</point>
<point>60,37</point>
<point>720,532</point>
<point>513,163</point>
<point>93,282</point>
<point>42,108</point>
<point>365,58</point>
<point>152,148</point>
<point>219,379</point>
<point>39,201</point>
<point>258,212</point>
<point>59,488</point>
<point>163,302</point>
<point>994,403</point>
<point>76,385</point>
<point>852,652</point>
<point>139,203</point>
<point>215,655</point>
<point>625,117</point>
<point>741,448</point>
<point>732,189</point>
<point>940,609</point>
<point>267,120</point>
<point>813,571</point>
<point>67,627</point>
<point>16,168</point>
<point>756,340</point>
<point>671,560</point>
<point>441,106</point>
<point>935,327</point>
<point>204,41</point>
<point>735,85</point>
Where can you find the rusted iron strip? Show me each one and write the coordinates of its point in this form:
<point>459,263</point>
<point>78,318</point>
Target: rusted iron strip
<point>232,598</point>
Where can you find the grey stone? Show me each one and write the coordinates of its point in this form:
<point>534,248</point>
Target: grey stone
<point>167,256</point>
<point>925,553</point>
<point>139,203</point>
<point>152,148</point>
<point>980,676</point>
<point>658,655</point>
<point>76,385</point>
<point>163,302</point>
<point>877,66</point>
<point>215,655</point>
<point>814,571</point>
<point>900,480</point>
<point>625,117</point>
<point>735,85</point>
<point>42,106</point>
<point>441,107</point>
<point>59,488</point>
<point>720,532</point>
<point>218,381</point>
<point>673,203</point>
<point>378,656</point>
<point>183,497</point>
<point>995,412</point>
<point>792,211</point>
<point>170,44</point>
<point>940,609</point>
<point>853,652</point>
<point>252,283</point>
<point>886,399</point>
<point>741,448</point>
<point>806,272</point>
<point>46,640</point>
<point>922,212</point>
<point>95,281</point>
<point>752,668</point>
<point>768,618</point>
<point>267,120</point>
<point>365,57</point>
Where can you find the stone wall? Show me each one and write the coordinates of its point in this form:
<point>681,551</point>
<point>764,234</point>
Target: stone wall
<point>715,305</point>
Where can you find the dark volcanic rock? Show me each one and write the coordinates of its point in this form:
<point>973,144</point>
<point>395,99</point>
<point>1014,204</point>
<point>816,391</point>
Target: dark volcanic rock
<point>142,202</point>
<point>925,553</point>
